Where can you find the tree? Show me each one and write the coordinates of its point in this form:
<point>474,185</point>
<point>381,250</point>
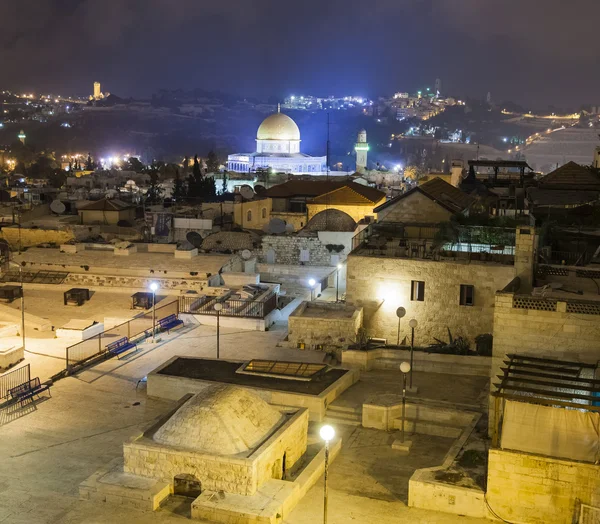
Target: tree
<point>179,190</point>
<point>224,186</point>
<point>89,164</point>
<point>412,173</point>
<point>154,193</point>
<point>57,178</point>
<point>212,162</point>
<point>133,164</point>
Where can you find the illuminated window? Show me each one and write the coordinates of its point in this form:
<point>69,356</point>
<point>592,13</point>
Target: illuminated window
<point>467,295</point>
<point>417,290</point>
<point>249,216</point>
<point>264,212</point>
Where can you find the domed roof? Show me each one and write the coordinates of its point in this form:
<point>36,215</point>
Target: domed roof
<point>220,420</point>
<point>331,220</point>
<point>278,127</point>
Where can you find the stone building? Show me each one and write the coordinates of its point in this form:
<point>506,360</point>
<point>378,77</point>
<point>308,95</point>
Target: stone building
<point>107,211</point>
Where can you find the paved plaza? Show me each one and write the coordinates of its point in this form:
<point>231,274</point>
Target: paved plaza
<point>49,448</point>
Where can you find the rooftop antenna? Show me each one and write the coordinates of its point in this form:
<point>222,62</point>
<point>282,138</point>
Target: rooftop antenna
<point>279,108</point>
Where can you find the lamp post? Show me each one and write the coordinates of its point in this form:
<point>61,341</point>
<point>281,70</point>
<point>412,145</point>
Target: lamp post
<point>218,308</point>
<point>153,288</point>
<point>413,324</point>
<point>327,433</point>
<point>405,367</point>
<point>14,264</point>
<point>337,282</point>
<point>312,283</point>
<point>400,313</point>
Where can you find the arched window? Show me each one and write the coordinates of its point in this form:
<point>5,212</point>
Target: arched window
<point>249,216</point>
<point>264,212</point>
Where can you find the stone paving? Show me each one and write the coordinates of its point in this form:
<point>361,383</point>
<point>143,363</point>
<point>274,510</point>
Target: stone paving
<point>47,450</point>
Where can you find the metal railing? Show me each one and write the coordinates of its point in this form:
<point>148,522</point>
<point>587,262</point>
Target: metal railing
<point>231,307</point>
<point>12,379</point>
<point>136,329</point>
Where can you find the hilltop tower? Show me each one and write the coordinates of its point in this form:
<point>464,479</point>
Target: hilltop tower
<point>361,148</point>
<point>97,91</point>
<point>22,136</point>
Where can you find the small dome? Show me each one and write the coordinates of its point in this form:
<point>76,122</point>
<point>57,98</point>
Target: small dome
<point>278,127</point>
<point>220,420</point>
<point>331,220</point>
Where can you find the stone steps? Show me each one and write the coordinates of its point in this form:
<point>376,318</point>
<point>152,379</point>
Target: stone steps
<point>339,414</point>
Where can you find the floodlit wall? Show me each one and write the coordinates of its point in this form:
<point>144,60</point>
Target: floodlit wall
<point>258,218</point>
<point>106,217</point>
<point>380,285</point>
<point>535,489</point>
<point>357,212</point>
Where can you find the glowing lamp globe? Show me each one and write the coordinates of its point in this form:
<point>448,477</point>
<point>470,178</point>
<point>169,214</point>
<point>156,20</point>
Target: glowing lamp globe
<point>413,323</point>
<point>218,306</point>
<point>327,433</point>
<point>312,282</point>
<point>405,367</point>
<point>153,287</point>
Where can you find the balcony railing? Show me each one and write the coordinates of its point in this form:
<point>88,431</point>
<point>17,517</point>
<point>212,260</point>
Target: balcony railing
<point>231,307</point>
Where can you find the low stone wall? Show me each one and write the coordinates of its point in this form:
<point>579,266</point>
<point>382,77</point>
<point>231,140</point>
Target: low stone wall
<point>536,489</point>
<point>10,357</point>
<point>287,250</point>
<point>237,279</point>
<point>92,280</point>
<point>327,329</point>
<point>427,362</point>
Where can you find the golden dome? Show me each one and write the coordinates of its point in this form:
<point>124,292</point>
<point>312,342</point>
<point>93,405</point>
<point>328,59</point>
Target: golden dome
<point>278,127</point>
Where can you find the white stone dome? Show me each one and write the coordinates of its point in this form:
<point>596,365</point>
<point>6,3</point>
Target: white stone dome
<point>220,420</point>
<point>278,127</point>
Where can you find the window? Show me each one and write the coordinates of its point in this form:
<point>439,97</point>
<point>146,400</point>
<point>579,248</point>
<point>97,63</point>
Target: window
<point>467,295</point>
<point>249,216</point>
<point>417,290</point>
<point>264,212</point>
<point>304,255</point>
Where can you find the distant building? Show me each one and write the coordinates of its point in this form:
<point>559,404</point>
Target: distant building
<point>106,212</point>
<point>278,148</point>
<point>98,94</point>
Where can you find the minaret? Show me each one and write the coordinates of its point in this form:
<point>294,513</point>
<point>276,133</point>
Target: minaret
<point>361,149</point>
<point>22,137</point>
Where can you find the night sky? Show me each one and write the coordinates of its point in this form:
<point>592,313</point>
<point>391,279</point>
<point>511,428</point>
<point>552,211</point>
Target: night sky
<point>536,52</point>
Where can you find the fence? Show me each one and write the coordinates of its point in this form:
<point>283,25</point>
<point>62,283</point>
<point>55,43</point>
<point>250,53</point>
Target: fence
<point>231,308</point>
<point>12,379</point>
<point>135,329</point>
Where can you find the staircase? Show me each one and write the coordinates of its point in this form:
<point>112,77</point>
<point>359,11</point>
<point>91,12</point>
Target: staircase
<point>340,414</point>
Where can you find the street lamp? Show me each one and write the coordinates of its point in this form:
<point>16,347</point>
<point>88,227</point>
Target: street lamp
<point>14,264</point>
<point>413,324</point>
<point>218,308</point>
<point>327,433</point>
<point>337,282</point>
<point>400,313</point>
<point>312,283</point>
<point>405,367</point>
<point>153,288</point>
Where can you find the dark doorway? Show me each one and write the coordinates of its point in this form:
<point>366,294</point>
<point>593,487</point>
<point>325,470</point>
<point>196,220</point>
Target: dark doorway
<point>283,467</point>
<point>187,486</point>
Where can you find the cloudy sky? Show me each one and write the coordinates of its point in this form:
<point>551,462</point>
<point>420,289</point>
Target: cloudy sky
<point>536,52</point>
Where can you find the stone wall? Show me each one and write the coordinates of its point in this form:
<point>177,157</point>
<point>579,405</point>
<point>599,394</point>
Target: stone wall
<point>255,207</point>
<point>417,208</point>
<point>357,212</point>
<point>287,250</point>
<point>536,489</point>
<point>328,329</point>
<point>380,285</point>
<point>95,281</point>
<point>526,243</point>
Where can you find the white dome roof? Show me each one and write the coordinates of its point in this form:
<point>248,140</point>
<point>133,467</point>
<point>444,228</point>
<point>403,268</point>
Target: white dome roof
<point>220,420</point>
<point>278,127</point>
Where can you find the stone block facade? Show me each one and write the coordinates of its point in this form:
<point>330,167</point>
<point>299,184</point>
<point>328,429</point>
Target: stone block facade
<point>382,284</point>
<point>415,208</point>
<point>329,325</point>
<point>121,281</point>
<point>287,250</point>
<point>531,488</point>
<point>237,474</point>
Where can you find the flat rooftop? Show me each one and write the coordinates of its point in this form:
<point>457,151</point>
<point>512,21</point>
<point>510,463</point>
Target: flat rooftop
<point>224,371</point>
<point>95,259</point>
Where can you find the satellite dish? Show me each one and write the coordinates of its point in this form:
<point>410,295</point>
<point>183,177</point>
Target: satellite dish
<point>401,312</point>
<point>246,254</point>
<point>276,226</point>
<point>57,207</point>
<point>260,189</point>
<point>247,192</point>
<point>289,228</point>
<point>194,238</point>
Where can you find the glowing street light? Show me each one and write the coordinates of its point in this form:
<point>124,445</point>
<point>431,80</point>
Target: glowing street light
<point>327,433</point>
<point>154,289</point>
<point>312,283</point>
<point>405,367</point>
